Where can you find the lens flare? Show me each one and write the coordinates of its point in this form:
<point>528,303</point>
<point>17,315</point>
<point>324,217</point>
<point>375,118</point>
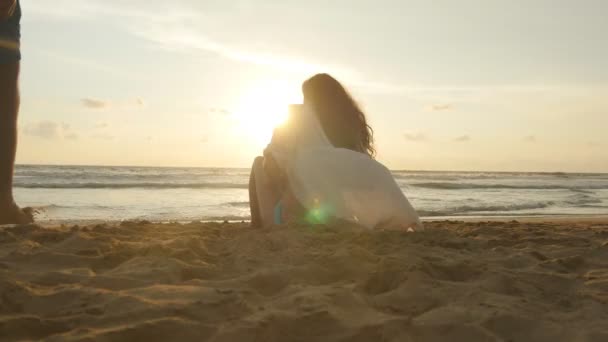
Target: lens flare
<point>320,213</point>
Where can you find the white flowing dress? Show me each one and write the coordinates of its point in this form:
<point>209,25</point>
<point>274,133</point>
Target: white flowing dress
<point>340,183</point>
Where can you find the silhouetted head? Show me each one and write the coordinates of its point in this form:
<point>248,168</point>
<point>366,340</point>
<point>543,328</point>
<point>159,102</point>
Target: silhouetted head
<point>342,120</point>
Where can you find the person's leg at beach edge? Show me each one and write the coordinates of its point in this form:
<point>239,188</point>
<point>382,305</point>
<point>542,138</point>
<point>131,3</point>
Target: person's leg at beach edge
<point>262,198</point>
<point>254,204</point>
<point>10,14</point>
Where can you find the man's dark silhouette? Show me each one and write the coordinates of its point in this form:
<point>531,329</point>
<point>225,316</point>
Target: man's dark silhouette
<point>10,56</point>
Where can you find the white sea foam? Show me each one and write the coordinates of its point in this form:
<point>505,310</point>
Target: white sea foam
<point>117,193</point>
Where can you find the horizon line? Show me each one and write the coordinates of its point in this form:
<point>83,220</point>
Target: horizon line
<point>246,168</point>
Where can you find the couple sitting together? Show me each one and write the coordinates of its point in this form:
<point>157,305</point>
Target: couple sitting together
<point>320,168</point>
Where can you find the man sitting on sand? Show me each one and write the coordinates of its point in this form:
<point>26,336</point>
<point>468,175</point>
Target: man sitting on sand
<point>10,55</point>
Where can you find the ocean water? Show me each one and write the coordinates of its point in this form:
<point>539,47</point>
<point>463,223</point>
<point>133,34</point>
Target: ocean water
<point>75,193</point>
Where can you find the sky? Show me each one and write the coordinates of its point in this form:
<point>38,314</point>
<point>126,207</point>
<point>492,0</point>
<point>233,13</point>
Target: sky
<point>487,85</point>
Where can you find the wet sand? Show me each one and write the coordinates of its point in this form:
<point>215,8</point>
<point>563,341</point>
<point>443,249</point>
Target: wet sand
<point>458,281</point>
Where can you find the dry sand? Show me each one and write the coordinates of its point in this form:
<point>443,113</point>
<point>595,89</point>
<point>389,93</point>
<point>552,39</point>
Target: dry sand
<point>484,281</point>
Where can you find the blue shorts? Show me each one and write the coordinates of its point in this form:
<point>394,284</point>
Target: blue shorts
<point>10,36</point>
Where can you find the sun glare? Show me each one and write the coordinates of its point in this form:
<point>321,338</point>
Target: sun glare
<point>263,107</point>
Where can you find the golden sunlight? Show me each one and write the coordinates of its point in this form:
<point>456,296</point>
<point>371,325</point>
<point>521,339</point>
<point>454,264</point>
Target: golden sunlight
<point>264,107</point>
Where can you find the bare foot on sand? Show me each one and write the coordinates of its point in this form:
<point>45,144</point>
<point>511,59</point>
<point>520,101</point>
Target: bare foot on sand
<point>15,215</point>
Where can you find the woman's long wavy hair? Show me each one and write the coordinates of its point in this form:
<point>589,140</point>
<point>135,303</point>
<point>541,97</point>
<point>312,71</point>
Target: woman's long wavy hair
<point>342,120</point>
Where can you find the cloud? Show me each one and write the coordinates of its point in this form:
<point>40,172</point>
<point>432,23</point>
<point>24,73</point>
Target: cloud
<point>49,130</point>
<point>190,26</point>
<point>463,138</point>
<point>204,140</point>
<point>415,137</point>
<point>102,125</point>
<point>43,129</point>
<point>440,107</point>
<point>71,61</point>
<point>177,37</point>
<point>173,26</point>
<point>94,103</point>
<point>530,139</point>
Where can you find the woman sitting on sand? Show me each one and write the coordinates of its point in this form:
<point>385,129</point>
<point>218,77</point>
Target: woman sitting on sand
<point>320,167</point>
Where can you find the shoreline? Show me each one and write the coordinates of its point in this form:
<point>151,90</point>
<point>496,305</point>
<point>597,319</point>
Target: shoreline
<point>525,218</point>
<point>573,218</point>
<point>248,167</point>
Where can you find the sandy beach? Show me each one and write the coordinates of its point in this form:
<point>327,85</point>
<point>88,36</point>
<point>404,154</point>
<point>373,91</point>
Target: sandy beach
<point>458,281</point>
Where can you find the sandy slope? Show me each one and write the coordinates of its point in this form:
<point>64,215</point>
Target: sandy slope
<point>501,281</point>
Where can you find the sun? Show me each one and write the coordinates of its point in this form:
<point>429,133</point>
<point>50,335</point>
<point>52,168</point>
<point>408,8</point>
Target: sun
<point>263,107</point>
